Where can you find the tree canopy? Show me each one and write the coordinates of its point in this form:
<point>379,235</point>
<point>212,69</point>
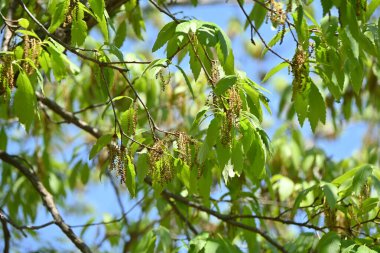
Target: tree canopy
<point>145,99</point>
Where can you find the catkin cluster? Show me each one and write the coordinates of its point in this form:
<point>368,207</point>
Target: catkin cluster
<point>32,49</point>
<point>131,120</point>
<point>184,147</point>
<point>6,75</point>
<point>71,13</point>
<point>118,160</point>
<point>277,14</point>
<point>231,116</point>
<point>161,167</point>
<point>165,80</point>
<point>215,75</point>
<point>299,70</point>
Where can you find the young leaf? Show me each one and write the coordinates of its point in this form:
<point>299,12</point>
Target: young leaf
<point>331,193</point>
<point>237,157</point>
<point>120,35</point>
<point>300,106</point>
<point>164,35</point>
<point>224,84</point>
<point>59,15</point>
<point>127,121</point>
<point>225,44</point>
<point>274,71</point>
<point>213,132</point>
<point>187,80</point>
<point>194,64</point>
<point>317,107</point>
<point>329,243</point>
<point>97,7</point>
<point>78,32</point>
<point>24,23</point>
<point>24,100</point>
<point>3,139</point>
<point>100,143</point>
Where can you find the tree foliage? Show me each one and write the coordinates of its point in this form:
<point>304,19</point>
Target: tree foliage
<point>178,130</point>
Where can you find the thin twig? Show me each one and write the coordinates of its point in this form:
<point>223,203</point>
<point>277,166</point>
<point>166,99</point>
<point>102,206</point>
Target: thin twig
<point>47,199</point>
<point>6,234</point>
<point>258,34</point>
<point>180,215</point>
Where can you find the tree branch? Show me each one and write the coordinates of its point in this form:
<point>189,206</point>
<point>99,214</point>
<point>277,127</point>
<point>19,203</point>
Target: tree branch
<point>6,234</point>
<point>68,116</point>
<point>180,215</point>
<point>47,199</point>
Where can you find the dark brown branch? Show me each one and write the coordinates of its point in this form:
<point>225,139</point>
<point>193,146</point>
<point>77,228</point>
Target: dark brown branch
<point>68,116</point>
<point>123,217</point>
<point>6,234</point>
<point>47,199</point>
<point>224,218</point>
<point>180,215</point>
<point>21,228</point>
<point>277,219</point>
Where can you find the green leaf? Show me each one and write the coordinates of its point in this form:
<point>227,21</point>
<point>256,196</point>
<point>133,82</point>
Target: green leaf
<point>147,243</point>
<point>3,139</point>
<point>237,157</point>
<point>85,173</point>
<point>203,153</point>
<point>164,244</point>
<point>326,6</point>
<point>183,172</point>
<point>59,15</point>
<point>360,178</point>
<point>120,35</point>
<point>213,132</point>
<point>349,249</point>
<point>24,100</point>
<point>331,193</point>
<point>187,80</point>
<point>274,71</point>
<point>185,27</point>
<point>224,84</point>
<point>194,64</point>
<point>206,35</point>
<point>349,174</point>
<point>198,243</point>
<point>317,107</point>
<point>164,35</point>
<point>199,117</point>
<point>57,64</point>
<point>97,7</point>
<point>224,43</point>
<point>158,63</point>
<point>365,249</point>
<point>104,29</point>
<point>300,106</point>
<point>24,23</point>
<point>257,15</point>
<point>254,101</point>
<point>130,177</point>
<point>103,141</point>
<point>329,243</point>
<point>78,32</point>
<point>204,185</point>
<point>127,121</point>
<point>284,186</point>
